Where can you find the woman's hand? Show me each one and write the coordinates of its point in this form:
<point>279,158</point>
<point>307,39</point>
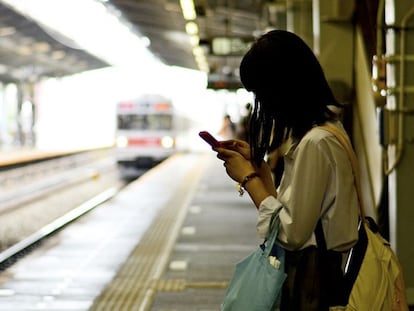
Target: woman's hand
<point>240,146</point>
<point>236,157</point>
<point>243,148</point>
<point>238,163</point>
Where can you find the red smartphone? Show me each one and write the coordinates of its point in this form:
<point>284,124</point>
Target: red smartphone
<point>209,138</point>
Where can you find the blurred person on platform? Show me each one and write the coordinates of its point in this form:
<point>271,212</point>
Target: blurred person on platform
<point>228,128</point>
<point>242,128</point>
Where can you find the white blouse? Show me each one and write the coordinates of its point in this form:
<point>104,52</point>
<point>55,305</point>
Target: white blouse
<point>317,183</point>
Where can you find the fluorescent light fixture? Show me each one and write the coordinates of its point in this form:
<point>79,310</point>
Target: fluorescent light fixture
<point>146,41</point>
<point>202,64</point>
<point>7,31</point>
<point>191,28</point>
<point>24,50</point>
<point>41,47</point>
<point>200,58</point>
<point>187,6</point>
<point>194,40</point>
<point>198,50</point>
<point>58,54</point>
<point>189,13</point>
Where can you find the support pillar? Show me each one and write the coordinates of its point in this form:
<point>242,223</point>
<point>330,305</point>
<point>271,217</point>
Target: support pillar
<point>399,126</point>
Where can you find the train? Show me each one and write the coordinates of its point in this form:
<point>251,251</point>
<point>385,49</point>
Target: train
<point>146,133</point>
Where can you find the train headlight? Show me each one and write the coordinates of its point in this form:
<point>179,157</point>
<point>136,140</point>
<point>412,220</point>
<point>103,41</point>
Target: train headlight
<point>167,142</point>
<point>121,142</point>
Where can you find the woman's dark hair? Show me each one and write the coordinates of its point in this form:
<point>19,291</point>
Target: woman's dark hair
<point>290,88</point>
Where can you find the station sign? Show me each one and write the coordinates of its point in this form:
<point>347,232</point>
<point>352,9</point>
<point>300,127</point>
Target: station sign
<point>230,46</point>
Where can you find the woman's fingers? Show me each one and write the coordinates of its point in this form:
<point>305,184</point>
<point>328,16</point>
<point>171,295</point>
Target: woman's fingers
<point>224,154</point>
<point>236,145</point>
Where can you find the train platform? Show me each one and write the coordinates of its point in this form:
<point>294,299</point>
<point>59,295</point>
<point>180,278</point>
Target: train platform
<point>168,241</point>
<point>15,156</point>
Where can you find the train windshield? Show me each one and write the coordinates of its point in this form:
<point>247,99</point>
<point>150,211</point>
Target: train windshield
<point>153,122</point>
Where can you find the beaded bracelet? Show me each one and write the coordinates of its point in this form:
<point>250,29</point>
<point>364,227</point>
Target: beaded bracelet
<point>242,185</point>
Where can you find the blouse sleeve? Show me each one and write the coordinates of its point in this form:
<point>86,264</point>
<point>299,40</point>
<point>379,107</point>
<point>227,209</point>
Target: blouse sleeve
<point>304,196</point>
<point>266,209</point>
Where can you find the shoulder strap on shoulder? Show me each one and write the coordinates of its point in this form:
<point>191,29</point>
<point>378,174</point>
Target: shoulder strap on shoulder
<point>345,142</point>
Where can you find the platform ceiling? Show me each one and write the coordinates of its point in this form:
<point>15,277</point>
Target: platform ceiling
<point>24,51</point>
<point>162,21</point>
<point>28,51</point>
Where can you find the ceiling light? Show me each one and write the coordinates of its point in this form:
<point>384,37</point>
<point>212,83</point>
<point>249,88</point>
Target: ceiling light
<point>24,50</point>
<point>41,47</point>
<point>203,65</point>
<point>200,58</point>
<point>187,6</point>
<point>59,54</point>
<point>7,31</point>
<point>191,28</point>
<point>198,50</point>
<point>204,68</point>
<point>146,41</point>
<point>194,40</point>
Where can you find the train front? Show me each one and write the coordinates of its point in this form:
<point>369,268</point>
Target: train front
<point>145,133</point>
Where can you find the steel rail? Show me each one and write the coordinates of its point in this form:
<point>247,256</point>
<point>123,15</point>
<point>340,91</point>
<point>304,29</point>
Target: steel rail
<point>10,255</point>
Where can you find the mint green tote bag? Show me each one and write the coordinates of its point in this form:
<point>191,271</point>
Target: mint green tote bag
<point>256,284</point>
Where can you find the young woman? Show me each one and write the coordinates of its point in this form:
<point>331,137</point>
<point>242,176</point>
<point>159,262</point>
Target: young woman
<point>292,98</point>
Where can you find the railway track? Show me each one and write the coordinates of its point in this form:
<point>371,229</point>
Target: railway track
<point>40,199</point>
<point>10,255</point>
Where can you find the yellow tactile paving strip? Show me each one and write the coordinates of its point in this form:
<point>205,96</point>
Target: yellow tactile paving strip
<point>137,282</point>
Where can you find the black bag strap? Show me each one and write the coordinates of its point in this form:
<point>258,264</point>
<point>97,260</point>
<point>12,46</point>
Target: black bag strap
<point>320,236</point>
